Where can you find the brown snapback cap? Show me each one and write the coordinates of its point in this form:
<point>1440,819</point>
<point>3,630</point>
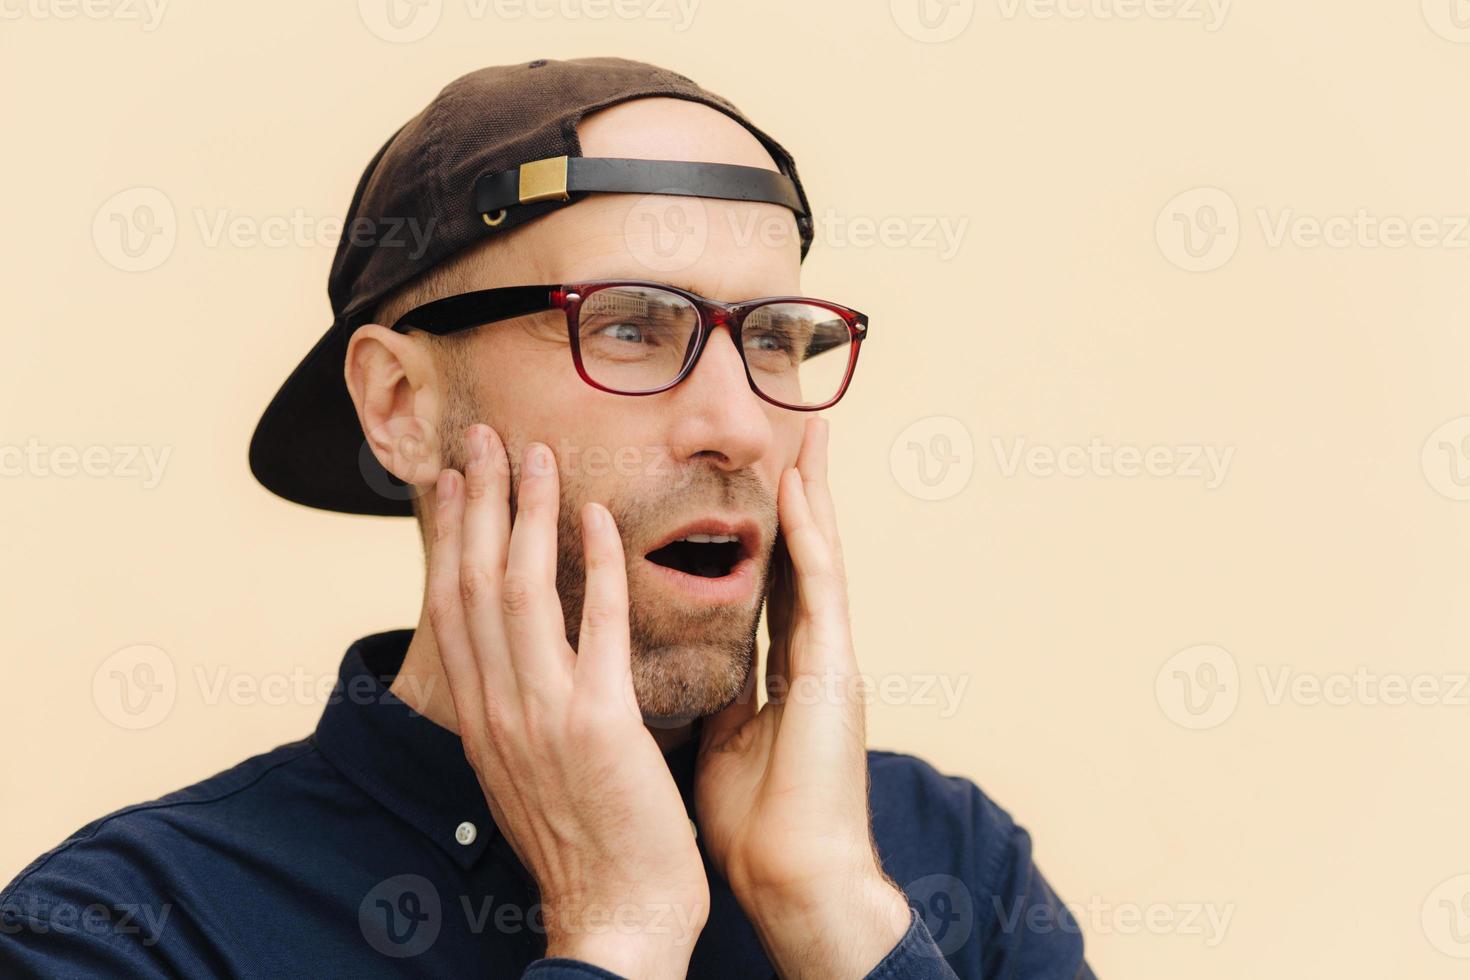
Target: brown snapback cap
<point>495,149</point>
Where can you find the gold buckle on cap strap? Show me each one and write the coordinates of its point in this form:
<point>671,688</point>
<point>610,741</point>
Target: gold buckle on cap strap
<point>544,180</point>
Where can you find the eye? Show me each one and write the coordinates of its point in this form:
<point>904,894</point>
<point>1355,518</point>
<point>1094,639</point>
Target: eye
<point>769,341</point>
<point>624,330</point>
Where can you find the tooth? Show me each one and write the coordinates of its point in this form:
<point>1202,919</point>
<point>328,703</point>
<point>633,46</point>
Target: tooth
<point>710,539</point>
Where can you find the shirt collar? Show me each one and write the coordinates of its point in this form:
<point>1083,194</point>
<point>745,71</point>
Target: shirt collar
<point>414,767</point>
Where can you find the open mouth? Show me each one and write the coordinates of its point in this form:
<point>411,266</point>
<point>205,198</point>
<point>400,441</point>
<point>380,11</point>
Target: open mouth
<point>704,555</point>
<point>707,561</point>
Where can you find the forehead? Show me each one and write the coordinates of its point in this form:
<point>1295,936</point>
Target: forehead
<point>670,129</point>
<point>720,249</point>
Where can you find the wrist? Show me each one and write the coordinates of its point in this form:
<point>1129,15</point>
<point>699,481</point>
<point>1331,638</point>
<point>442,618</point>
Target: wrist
<point>627,956</point>
<point>628,938</point>
<point>841,928</point>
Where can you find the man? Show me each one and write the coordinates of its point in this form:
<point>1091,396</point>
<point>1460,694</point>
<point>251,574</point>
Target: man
<point>613,451</point>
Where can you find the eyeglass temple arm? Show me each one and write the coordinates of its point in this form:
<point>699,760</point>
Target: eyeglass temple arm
<point>454,313</point>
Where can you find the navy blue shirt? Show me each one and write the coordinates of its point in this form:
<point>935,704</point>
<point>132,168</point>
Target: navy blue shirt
<point>367,849</point>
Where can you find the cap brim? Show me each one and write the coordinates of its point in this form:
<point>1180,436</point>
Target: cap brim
<point>309,448</point>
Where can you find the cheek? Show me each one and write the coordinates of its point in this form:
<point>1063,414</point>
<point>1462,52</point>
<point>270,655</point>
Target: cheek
<point>608,467</point>
<point>529,392</point>
<point>603,453</point>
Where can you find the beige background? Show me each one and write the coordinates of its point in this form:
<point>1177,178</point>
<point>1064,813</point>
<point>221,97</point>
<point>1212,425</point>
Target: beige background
<point>1070,152</point>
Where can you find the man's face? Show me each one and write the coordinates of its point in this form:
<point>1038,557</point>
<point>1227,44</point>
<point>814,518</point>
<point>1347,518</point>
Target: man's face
<point>703,458</point>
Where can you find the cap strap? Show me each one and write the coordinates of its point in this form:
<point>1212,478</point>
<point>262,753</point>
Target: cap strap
<point>557,178</point>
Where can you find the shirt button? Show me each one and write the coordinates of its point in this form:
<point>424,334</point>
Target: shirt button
<point>465,833</point>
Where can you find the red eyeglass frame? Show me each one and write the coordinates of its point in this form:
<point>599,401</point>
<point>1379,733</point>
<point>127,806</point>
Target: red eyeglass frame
<point>484,306</point>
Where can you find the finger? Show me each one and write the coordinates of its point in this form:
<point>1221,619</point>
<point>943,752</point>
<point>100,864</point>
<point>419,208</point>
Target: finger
<point>779,601</point>
<point>602,640</point>
<point>534,627</point>
<point>444,606</point>
<point>486,540</point>
<point>811,462</point>
<point>820,597</point>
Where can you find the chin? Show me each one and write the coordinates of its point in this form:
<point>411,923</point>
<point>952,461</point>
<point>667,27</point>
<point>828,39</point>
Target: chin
<point>676,684</point>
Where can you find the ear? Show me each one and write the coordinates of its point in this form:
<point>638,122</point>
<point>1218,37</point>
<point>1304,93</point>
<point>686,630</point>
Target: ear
<point>395,388</point>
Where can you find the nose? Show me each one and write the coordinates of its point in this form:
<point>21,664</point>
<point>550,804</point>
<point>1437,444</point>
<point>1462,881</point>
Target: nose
<point>716,415</point>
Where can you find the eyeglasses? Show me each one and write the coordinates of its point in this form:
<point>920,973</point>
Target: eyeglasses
<point>634,337</point>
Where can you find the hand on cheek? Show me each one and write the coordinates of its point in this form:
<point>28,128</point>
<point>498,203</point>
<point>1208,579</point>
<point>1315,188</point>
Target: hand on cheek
<point>782,791</point>
<point>573,778</point>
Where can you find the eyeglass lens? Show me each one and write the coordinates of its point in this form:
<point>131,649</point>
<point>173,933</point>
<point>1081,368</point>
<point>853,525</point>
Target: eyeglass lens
<point>639,338</point>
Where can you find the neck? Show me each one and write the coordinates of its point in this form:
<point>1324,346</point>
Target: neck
<point>422,685</point>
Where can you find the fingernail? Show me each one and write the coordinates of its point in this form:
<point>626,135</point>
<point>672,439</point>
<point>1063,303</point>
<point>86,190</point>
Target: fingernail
<point>538,459</point>
<point>444,486</point>
<point>477,444</point>
<point>596,518</point>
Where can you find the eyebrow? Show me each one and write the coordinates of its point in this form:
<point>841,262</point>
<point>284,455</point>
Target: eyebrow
<point>680,284</point>
<point>677,284</point>
<point>619,273</point>
<point>689,288</point>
